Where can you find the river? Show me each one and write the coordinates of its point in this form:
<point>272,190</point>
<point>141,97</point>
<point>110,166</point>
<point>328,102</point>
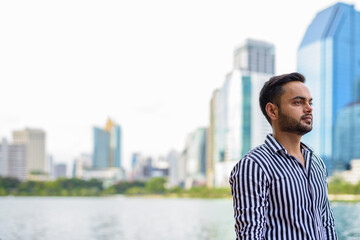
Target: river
<point>105,218</point>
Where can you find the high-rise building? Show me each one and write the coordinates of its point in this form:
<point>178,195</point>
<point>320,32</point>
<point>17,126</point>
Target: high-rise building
<point>4,158</point>
<point>236,121</point>
<point>173,159</point>
<point>107,146</point>
<point>255,56</point>
<point>195,158</point>
<point>13,160</point>
<point>347,136</point>
<point>34,141</point>
<point>329,57</point>
<point>60,170</point>
<point>81,163</point>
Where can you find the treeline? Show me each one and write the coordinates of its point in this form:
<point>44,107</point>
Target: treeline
<point>339,186</point>
<point>60,187</point>
<point>93,187</point>
<point>79,187</point>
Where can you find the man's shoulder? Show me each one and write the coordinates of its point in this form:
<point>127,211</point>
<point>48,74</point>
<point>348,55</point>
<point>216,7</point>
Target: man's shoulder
<point>260,155</point>
<point>257,158</point>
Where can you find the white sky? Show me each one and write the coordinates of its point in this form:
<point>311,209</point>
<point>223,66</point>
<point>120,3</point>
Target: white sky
<point>66,66</point>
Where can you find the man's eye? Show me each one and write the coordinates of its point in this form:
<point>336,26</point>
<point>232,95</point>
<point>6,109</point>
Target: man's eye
<point>297,102</point>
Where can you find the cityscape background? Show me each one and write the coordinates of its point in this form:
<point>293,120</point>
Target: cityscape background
<point>121,91</point>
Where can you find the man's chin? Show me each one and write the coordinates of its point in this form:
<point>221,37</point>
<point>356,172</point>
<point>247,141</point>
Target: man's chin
<point>304,131</point>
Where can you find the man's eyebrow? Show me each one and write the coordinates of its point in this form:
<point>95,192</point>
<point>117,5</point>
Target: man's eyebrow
<point>302,98</point>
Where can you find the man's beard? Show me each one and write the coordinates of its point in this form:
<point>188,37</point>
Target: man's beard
<point>291,125</point>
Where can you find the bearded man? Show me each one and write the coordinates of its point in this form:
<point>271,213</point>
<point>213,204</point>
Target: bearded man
<point>279,189</point>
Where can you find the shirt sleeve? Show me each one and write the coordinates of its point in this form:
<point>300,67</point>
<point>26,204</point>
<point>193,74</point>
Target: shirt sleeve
<point>249,188</point>
<point>328,220</point>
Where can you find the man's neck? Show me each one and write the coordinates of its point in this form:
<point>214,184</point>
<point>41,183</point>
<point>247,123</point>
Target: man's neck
<point>290,141</point>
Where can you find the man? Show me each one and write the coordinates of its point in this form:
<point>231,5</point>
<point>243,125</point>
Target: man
<point>279,189</point>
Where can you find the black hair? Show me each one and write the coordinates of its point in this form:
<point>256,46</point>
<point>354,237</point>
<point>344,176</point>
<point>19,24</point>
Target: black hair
<point>272,90</point>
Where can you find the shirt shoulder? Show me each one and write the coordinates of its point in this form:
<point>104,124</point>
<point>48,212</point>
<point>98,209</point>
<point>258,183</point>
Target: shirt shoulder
<point>260,156</point>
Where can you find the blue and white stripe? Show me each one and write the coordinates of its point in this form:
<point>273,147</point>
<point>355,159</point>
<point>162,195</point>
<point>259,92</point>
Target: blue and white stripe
<point>276,197</point>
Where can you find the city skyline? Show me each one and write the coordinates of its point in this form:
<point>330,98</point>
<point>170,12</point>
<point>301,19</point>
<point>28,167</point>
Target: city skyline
<point>68,66</point>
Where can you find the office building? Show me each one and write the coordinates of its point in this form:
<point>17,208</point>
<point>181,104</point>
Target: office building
<point>255,56</point>
<point>12,160</point>
<point>36,160</point>
<point>107,146</point>
<point>346,136</point>
<point>173,158</point>
<point>236,121</point>
<point>60,170</point>
<point>329,56</point>
<point>81,163</point>
<point>195,158</point>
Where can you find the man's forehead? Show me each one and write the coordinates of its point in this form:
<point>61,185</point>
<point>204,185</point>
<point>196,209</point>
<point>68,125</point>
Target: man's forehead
<point>296,88</point>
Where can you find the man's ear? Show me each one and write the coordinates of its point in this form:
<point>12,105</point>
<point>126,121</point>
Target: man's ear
<point>272,110</point>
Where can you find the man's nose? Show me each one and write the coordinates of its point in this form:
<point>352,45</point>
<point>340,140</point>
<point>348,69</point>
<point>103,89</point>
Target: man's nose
<point>308,107</point>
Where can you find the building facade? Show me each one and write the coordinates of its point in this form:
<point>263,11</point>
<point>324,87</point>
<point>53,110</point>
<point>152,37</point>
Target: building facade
<point>37,167</point>
<point>329,57</point>
<point>60,170</point>
<point>346,136</point>
<point>195,158</point>
<point>236,121</point>
<point>13,160</point>
<point>107,146</point>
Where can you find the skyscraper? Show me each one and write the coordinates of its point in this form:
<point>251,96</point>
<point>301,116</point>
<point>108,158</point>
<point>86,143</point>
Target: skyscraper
<point>107,146</point>
<point>236,121</point>
<point>34,141</point>
<point>13,160</point>
<point>60,170</point>
<point>255,56</point>
<point>347,136</point>
<point>195,158</point>
<point>329,57</point>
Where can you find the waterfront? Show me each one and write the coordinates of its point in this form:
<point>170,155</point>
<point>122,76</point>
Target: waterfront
<point>105,218</point>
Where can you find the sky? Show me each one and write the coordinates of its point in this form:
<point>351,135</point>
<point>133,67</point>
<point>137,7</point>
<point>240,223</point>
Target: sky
<point>151,66</point>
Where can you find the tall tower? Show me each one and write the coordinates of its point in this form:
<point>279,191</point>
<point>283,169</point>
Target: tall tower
<point>329,58</point>
<point>255,56</point>
<point>34,141</point>
<point>107,146</point>
<point>13,160</point>
<point>254,64</point>
<point>347,136</point>
<point>236,121</point>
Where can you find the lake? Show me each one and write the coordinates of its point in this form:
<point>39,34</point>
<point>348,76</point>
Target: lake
<point>119,217</point>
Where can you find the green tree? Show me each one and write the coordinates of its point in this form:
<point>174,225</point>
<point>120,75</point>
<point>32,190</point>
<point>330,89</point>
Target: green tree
<point>156,185</point>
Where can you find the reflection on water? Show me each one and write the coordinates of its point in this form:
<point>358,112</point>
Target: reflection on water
<point>347,219</point>
<point>133,218</point>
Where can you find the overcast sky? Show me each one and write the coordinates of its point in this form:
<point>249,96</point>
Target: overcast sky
<point>151,66</point>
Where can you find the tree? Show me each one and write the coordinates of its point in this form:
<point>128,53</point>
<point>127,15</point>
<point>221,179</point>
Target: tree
<point>156,185</point>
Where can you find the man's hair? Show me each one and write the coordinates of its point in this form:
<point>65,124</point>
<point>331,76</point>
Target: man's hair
<point>272,90</point>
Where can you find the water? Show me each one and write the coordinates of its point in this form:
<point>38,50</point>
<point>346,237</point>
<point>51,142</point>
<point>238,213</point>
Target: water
<point>55,218</point>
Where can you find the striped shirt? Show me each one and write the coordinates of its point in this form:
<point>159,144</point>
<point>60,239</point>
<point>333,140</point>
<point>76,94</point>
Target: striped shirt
<point>276,197</point>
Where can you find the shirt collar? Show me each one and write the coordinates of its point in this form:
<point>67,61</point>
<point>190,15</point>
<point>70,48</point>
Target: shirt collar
<point>274,146</point>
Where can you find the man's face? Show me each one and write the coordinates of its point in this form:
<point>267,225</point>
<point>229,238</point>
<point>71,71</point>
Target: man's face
<point>295,111</point>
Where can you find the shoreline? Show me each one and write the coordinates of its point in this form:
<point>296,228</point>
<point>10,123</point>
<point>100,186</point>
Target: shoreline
<point>332,197</point>
<point>344,198</point>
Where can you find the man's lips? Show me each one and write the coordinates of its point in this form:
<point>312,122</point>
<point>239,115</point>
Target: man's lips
<point>307,118</point>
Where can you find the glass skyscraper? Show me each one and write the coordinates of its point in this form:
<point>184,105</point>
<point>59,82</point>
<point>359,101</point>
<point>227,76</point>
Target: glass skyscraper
<point>347,136</point>
<point>107,146</point>
<point>329,57</point>
<point>236,121</point>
